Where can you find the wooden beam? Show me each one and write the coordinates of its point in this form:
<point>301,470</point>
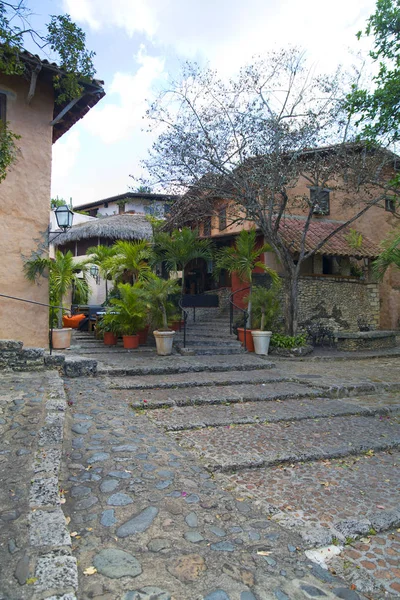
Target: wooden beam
<point>65,110</point>
<point>32,87</point>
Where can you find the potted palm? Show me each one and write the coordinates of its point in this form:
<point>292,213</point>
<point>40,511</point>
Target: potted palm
<point>62,273</point>
<point>265,307</point>
<point>157,293</point>
<point>126,314</point>
<point>242,258</point>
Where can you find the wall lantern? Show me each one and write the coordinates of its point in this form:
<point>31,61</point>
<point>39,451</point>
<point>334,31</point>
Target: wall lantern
<point>95,273</point>
<point>64,217</point>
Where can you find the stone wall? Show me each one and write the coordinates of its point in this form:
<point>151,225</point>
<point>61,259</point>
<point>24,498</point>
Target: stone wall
<point>338,302</point>
<point>16,358</point>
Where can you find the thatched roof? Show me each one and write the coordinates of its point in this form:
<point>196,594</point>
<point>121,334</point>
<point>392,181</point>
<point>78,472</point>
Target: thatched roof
<point>114,227</point>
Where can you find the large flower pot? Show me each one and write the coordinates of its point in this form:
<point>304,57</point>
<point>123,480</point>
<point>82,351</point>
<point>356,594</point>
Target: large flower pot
<point>143,333</point>
<point>130,341</point>
<point>61,338</point>
<point>110,339</point>
<point>261,341</point>
<point>249,338</point>
<point>164,341</point>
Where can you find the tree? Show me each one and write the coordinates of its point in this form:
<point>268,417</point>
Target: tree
<point>251,139</point>
<point>64,38</point>
<point>243,258</point>
<point>63,276</point>
<point>156,293</point>
<point>129,259</point>
<point>180,247</point>
<point>378,110</point>
<point>390,255</point>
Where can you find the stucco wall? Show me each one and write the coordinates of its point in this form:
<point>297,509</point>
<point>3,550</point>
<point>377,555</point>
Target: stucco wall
<point>24,211</point>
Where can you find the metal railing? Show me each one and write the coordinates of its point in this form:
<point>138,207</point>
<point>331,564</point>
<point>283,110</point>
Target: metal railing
<point>51,306</point>
<point>232,307</point>
<point>185,315</point>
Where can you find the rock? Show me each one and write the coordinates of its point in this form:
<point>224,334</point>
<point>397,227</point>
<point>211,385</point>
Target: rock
<point>12,546</point>
<point>217,595</point>
<point>80,490</point>
<point>270,561</point>
<point>81,428</point>
<point>218,531</point>
<point>158,544</point>
<point>187,568</point>
<point>124,448</point>
<point>247,596</point>
<point>98,457</point>
<point>346,594</point>
<point>313,591</point>
<point>56,570</point>
<point>139,523</point>
<point>193,536</point>
<point>147,593</point>
<point>192,520</point>
<point>239,574</point>
<point>223,547</point>
<point>108,518</point>
<point>115,563</point>
<point>22,569</point>
<point>120,474</point>
<point>281,595</point>
<point>173,506</point>
<point>119,499</point>
<point>192,499</point>
<point>108,485</point>
<point>86,503</point>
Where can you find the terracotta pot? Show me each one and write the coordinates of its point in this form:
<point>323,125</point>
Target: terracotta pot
<point>143,333</point>
<point>130,341</point>
<point>175,325</point>
<point>110,339</point>
<point>164,341</point>
<point>61,338</point>
<point>261,341</point>
<point>249,338</point>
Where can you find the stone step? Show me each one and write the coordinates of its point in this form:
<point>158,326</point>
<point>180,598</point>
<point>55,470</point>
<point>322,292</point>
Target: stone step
<point>196,379</point>
<point>221,394</point>
<point>335,498</point>
<point>271,411</point>
<point>170,365</point>
<point>203,341</point>
<point>212,350</point>
<point>264,445</point>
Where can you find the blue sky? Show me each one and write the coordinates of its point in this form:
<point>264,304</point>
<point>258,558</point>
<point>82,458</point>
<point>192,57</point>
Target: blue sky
<point>140,43</point>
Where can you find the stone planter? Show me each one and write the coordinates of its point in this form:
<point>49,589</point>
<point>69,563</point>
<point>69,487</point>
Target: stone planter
<point>249,338</point>
<point>261,341</point>
<point>130,342</point>
<point>61,338</point>
<point>164,341</point>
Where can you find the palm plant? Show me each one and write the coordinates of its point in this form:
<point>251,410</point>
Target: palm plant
<point>63,277</point>
<point>156,292</point>
<point>100,255</point>
<point>390,255</point>
<point>179,248</point>
<point>126,315</point>
<point>265,305</point>
<point>243,258</point>
<point>129,258</point>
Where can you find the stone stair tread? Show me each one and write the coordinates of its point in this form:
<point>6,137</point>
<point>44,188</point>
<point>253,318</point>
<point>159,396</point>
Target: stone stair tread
<point>224,394</point>
<point>197,379</point>
<point>191,417</point>
<point>341,498</point>
<point>262,445</point>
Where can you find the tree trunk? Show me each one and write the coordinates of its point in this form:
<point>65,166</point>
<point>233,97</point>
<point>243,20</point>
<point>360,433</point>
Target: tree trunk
<point>291,302</point>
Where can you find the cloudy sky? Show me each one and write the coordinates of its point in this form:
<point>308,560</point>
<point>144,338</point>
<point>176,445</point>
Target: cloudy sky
<point>139,43</point>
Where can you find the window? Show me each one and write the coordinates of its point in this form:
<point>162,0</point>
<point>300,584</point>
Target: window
<point>3,104</point>
<point>222,219</point>
<point>207,226</point>
<point>390,204</point>
<point>105,204</point>
<point>319,198</point>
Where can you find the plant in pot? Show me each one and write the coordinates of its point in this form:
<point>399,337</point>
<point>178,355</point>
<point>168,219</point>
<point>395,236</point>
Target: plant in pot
<point>242,258</point>
<point>109,329</point>
<point>127,314</point>
<point>265,308</point>
<point>157,293</point>
<point>62,273</point>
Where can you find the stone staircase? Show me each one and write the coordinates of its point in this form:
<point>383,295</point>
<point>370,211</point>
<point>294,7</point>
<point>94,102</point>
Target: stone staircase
<point>210,335</point>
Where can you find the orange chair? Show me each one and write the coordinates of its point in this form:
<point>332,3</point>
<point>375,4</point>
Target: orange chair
<point>72,321</point>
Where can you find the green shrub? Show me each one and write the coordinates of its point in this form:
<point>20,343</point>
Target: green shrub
<point>289,342</point>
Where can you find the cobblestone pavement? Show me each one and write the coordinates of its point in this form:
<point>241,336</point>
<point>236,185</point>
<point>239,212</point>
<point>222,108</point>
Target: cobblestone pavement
<point>35,546</point>
<point>148,521</point>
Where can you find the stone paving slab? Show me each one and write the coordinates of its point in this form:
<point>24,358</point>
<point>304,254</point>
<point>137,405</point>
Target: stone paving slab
<point>346,497</point>
<point>249,446</point>
<point>372,562</point>
<point>191,417</point>
<point>197,379</point>
<point>33,532</point>
<point>221,394</point>
<point>181,536</point>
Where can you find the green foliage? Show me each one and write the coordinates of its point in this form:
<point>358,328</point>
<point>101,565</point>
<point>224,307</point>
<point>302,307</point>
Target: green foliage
<point>127,260</point>
<point>8,149</point>
<point>265,306</point>
<point>157,295</point>
<point>56,202</point>
<point>126,315</point>
<point>390,255</point>
<point>287,341</point>
<point>379,110</point>
<point>144,189</point>
<point>354,239</point>
<point>62,273</point>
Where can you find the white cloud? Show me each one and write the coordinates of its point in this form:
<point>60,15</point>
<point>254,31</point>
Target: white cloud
<point>65,153</point>
<point>115,121</point>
